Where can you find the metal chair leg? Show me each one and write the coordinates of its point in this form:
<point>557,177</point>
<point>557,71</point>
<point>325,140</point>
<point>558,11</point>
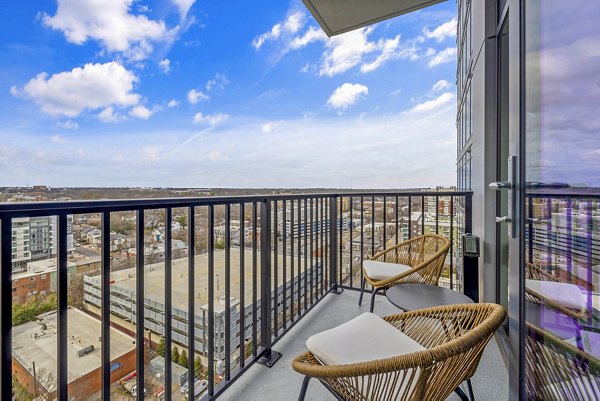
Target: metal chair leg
<point>470,389</point>
<point>362,291</point>
<point>461,394</point>
<point>373,294</point>
<point>304,388</point>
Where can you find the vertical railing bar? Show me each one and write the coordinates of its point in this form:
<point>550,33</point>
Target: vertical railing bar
<point>351,262</point>
<point>530,228</point>
<point>139,304</point>
<point>451,240</point>
<point>254,277</point>
<point>409,217</point>
<point>284,251</point>
<point>292,258</point>
<point>328,250</point>
<point>305,254</point>
<point>6,315</point>
<point>299,256</point>
<point>228,291</point>
<point>105,312</point>
<point>422,214</point>
<point>211,301</point>
<point>341,239</point>
<point>310,254</point>
<point>384,222</point>
<point>437,212</point>
<point>372,226</point>
<point>333,202</point>
<point>242,287</point>
<point>265,279</point>
<point>322,228</point>
<point>62,369</point>
<point>275,268</point>
<point>397,239</point>
<point>362,236</point>
<point>191,293</point>
<point>316,254</point>
<point>168,303</point>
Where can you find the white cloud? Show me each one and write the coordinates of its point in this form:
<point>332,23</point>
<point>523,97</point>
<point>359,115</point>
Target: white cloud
<point>292,24</point>
<point>172,103</point>
<point>108,115</point>
<point>214,155</point>
<point>183,6</point>
<point>443,56</point>
<point>440,85</point>
<point>346,95</point>
<point>111,24</point>
<point>194,96</point>
<point>388,50</point>
<point>433,104</point>
<point>211,119</point>
<point>92,87</point>
<point>165,65</point>
<point>219,81</point>
<point>141,112</point>
<point>58,139</point>
<point>67,125</point>
<point>151,154</point>
<point>312,34</point>
<point>269,127</point>
<point>446,30</point>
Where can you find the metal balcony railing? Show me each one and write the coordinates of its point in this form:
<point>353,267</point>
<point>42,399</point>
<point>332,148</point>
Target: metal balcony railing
<point>281,256</point>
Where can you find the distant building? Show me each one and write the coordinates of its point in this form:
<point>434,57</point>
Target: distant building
<point>39,279</point>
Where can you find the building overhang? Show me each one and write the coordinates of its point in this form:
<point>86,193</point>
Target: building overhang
<point>339,16</point>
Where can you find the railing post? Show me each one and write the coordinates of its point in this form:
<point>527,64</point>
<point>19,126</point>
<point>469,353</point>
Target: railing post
<point>268,357</point>
<point>6,305</point>
<point>470,273</point>
<point>333,246</point>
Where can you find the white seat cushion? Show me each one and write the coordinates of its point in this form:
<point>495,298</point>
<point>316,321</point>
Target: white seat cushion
<point>365,338</point>
<point>382,270</point>
<point>568,295</point>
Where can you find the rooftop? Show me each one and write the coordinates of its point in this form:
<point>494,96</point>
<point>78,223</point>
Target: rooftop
<point>83,330</point>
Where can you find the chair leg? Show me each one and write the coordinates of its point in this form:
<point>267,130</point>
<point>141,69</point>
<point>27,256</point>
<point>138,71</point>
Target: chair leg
<point>373,294</point>
<point>470,389</point>
<point>304,388</point>
<point>461,394</point>
<point>362,291</point>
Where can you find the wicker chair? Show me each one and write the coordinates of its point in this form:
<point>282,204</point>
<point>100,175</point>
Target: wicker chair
<point>453,338</point>
<point>534,272</point>
<point>423,258</point>
<point>557,371</point>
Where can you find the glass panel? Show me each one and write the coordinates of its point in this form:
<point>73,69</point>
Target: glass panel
<point>562,199</point>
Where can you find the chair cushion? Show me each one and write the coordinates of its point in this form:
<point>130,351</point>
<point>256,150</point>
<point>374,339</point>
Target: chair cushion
<point>365,338</point>
<point>568,295</point>
<point>382,270</point>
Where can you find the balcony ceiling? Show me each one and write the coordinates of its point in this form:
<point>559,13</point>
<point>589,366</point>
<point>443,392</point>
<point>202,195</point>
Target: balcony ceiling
<point>339,16</point>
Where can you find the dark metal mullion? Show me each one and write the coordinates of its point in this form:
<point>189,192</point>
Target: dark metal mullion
<point>105,312</point>
<point>397,240</point>
<point>437,217</point>
<point>422,214</point>
<point>362,235</point>
<point>284,252</point>
<point>254,278</point>
<point>62,325</point>
<point>139,303</point>
<point>384,221</point>
<point>191,293</point>
<point>275,293</point>
<point>168,303</point>
<point>242,289</point>
<point>228,292</point>
<point>6,315</point>
<point>211,302</point>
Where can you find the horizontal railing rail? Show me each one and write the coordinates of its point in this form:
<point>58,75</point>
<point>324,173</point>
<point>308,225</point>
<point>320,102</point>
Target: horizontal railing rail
<point>255,266</point>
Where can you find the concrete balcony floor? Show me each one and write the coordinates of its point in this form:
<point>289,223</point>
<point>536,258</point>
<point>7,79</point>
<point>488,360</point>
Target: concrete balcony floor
<point>281,382</point>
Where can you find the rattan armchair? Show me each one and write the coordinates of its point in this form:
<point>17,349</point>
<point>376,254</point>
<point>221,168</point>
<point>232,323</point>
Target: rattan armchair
<point>534,272</point>
<point>424,257</point>
<point>453,338</point>
<point>557,371</point>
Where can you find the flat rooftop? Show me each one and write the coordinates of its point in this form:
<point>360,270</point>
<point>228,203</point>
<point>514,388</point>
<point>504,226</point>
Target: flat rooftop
<point>154,277</point>
<point>83,330</point>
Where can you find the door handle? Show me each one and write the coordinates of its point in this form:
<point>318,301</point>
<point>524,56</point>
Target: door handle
<point>503,219</point>
<point>500,186</point>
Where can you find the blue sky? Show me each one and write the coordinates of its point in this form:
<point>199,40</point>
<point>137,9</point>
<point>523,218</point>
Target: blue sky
<point>223,94</point>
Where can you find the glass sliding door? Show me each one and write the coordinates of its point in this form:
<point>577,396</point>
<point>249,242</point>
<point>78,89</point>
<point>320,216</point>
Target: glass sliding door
<point>560,245</point>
